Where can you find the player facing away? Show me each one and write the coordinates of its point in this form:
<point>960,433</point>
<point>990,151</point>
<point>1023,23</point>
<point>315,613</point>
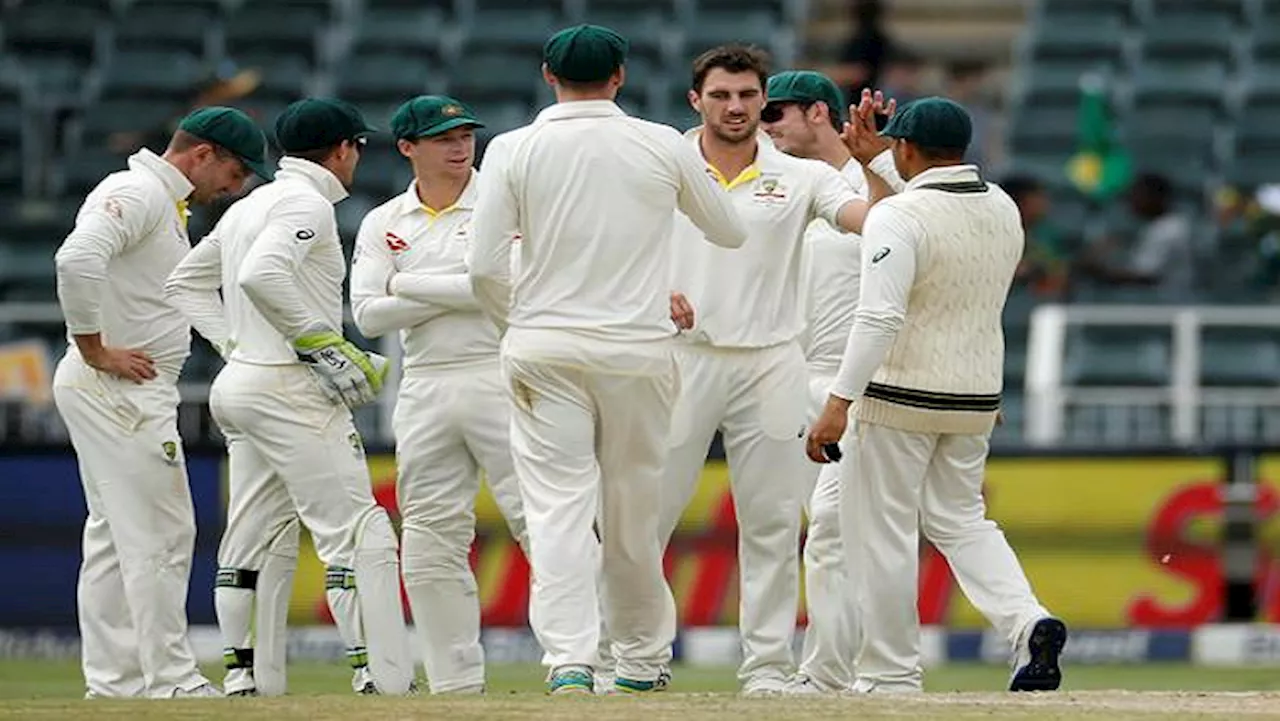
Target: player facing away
<point>804,116</point>
<point>587,352</point>
<point>451,418</point>
<point>741,366</point>
<point>925,363</point>
<point>282,401</point>
<point>116,389</point>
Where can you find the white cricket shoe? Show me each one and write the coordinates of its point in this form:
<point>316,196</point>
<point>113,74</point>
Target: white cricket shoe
<point>802,686</point>
<point>866,685</point>
<point>204,690</point>
<point>764,687</point>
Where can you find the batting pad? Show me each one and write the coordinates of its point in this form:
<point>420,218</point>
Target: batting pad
<point>378,588</point>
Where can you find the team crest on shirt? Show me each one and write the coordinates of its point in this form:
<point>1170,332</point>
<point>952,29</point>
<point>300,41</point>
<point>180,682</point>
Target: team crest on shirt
<point>770,191</point>
<point>357,445</point>
<point>396,244</point>
<point>170,449</point>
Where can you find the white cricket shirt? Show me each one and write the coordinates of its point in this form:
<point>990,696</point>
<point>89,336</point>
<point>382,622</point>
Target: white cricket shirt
<point>409,273</point>
<point>129,234</point>
<point>751,297</point>
<point>277,257</point>
<point>592,193</point>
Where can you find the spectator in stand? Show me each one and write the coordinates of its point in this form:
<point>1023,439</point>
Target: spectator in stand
<point>1046,262</point>
<point>965,83</point>
<point>902,77</point>
<point>1161,256</point>
<point>867,52</point>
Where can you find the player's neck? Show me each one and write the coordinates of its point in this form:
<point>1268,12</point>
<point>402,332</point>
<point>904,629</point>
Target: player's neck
<point>182,161</point>
<point>440,191</point>
<point>729,159</point>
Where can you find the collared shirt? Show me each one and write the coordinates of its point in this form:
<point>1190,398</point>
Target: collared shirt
<point>833,272</point>
<point>409,273</point>
<point>130,232</point>
<point>592,193</point>
<point>277,257</point>
<point>751,297</point>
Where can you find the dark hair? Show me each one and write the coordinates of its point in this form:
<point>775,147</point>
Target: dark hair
<point>1154,184</point>
<point>941,154</point>
<point>733,58</point>
<point>1020,186</point>
<point>591,87</point>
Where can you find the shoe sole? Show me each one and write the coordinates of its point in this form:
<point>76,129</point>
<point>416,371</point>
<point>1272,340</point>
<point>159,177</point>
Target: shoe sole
<point>571,691</point>
<point>1042,673</point>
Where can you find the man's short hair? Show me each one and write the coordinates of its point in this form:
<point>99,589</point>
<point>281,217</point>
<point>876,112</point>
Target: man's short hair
<point>316,155</point>
<point>733,58</point>
<point>935,155</point>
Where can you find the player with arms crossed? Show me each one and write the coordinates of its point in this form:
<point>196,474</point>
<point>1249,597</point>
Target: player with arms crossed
<point>282,401</point>
<point>804,116</point>
<point>116,389</point>
<point>925,363</point>
<point>588,354</point>
<point>451,418</point>
<point>742,369</point>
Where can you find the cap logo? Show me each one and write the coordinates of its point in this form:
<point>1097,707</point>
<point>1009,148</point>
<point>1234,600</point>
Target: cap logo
<point>451,111</point>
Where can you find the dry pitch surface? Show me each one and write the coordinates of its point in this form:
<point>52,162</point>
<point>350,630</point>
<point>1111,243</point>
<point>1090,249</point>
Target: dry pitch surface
<point>51,690</point>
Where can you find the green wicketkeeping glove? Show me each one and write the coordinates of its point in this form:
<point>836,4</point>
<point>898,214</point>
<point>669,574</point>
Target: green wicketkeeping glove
<point>347,374</point>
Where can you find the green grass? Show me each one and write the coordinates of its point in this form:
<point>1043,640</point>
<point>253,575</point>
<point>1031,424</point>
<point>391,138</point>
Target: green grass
<point>319,692</point>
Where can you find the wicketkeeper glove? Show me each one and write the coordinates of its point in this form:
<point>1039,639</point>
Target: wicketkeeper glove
<point>345,373</point>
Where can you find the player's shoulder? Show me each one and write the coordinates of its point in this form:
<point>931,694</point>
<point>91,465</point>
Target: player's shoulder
<point>132,184</point>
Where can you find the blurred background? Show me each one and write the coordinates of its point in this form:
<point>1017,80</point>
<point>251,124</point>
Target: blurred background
<point>1141,139</point>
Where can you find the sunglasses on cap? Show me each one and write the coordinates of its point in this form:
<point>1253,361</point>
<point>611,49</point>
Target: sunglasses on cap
<point>773,112</point>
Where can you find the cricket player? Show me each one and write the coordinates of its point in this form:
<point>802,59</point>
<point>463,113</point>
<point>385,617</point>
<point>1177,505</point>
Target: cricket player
<point>804,116</point>
<point>925,363</point>
<point>116,389</point>
<point>588,350</point>
<point>742,368</point>
<point>451,419</point>
<point>283,400</point>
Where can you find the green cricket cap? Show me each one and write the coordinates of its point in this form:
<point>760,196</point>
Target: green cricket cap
<point>428,115</point>
<point>313,123</point>
<point>932,122</point>
<point>585,53</point>
<point>806,86</point>
<point>233,130</point>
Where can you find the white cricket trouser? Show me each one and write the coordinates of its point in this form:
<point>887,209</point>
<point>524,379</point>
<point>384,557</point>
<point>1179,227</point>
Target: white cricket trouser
<point>830,639</point>
<point>448,425</point>
<point>140,534</point>
<point>904,483</point>
<point>292,452</point>
<point>758,398</point>
<point>586,444</point>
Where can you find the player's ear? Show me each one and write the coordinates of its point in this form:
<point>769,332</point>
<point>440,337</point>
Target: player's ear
<point>405,147</point>
<point>619,76</point>
<point>695,101</point>
<point>547,77</point>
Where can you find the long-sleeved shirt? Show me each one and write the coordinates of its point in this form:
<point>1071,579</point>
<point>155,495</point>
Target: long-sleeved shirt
<point>751,297</point>
<point>129,234</point>
<point>833,275</point>
<point>277,258</point>
<point>926,352</point>
<point>409,274</point>
<point>592,193</point>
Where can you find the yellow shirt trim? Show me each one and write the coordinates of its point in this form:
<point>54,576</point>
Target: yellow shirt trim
<point>748,174</point>
<point>182,213</point>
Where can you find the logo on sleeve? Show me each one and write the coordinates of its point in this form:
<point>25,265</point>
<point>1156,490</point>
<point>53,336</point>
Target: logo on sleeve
<point>304,235</point>
<point>396,244</point>
<point>880,255</point>
<point>113,207</point>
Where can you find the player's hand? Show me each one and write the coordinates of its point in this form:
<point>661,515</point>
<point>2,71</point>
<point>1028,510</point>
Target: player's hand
<point>860,135</point>
<point>131,365</point>
<point>681,311</point>
<point>829,428</point>
<point>347,374</point>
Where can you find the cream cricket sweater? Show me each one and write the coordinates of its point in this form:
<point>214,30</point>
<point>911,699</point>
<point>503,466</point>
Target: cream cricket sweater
<point>927,350</point>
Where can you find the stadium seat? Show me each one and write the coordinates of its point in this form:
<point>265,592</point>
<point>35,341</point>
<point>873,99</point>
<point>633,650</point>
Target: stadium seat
<point>1013,409</point>
<point>1189,39</point>
<point>514,30</point>
<point>383,172</point>
<point>284,77</point>
<point>87,167</point>
<point>712,28</point>
<point>156,74</point>
<point>276,26</point>
<point>123,115</point>
<point>1234,11</point>
<point>1052,83</point>
<point>444,7</point>
<point>1114,356</point>
<point>1055,11</point>
<point>165,24</point>
<point>497,77</point>
<point>383,77</point>
<point>1040,127</point>
<point>65,27</point>
<point>1239,357</point>
<point>1198,84</point>
<point>645,29</point>
<point>412,31</point>
<point>667,9</point>
<point>1090,41</point>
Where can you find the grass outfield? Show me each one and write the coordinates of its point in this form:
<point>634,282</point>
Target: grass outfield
<point>52,690</point>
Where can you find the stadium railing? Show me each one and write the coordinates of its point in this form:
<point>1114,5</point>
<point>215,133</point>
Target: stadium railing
<point>1177,404</point>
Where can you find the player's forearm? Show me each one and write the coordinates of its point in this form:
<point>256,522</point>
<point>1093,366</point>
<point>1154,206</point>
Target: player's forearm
<point>203,309</point>
<point>452,290</point>
<point>868,345</point>
<point>493,295</point>
<point>375,317</point>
